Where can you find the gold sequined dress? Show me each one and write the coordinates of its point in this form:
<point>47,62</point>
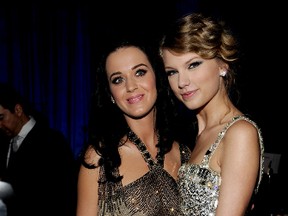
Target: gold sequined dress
<point>154,194</point>
<point>199,185</point>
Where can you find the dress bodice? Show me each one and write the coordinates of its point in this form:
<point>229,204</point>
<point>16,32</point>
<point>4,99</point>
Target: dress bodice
<point>199,185</point>
<point>154,194</point>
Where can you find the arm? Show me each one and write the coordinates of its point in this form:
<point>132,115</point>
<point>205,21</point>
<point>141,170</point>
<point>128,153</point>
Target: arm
<point>87,199</point>
<point>239,162</point>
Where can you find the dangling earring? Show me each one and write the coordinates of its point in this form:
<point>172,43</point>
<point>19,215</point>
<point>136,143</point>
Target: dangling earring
<point>112,99</point>
<point>223,73</point>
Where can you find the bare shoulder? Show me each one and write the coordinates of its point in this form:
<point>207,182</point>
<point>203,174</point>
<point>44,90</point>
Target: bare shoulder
<point>87,186</point>
<point>241,144</point>
<point>245,132</point>
<point>90,166</point>
<point>243,127</point>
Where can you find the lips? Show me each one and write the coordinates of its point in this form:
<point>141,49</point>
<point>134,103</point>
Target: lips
<point>135,99</point>
<point>188,94</point>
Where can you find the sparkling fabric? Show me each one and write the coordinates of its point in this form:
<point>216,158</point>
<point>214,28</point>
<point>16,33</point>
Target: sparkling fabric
<point>154,194</point>
<point>199,185</point>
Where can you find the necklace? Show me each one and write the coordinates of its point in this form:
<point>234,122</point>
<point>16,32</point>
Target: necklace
<point>145,153</point>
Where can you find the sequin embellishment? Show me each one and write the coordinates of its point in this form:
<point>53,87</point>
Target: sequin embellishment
<point>199,185</point>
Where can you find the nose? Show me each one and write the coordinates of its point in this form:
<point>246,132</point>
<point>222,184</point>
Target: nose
<point>183,80</point>
<point>131,85</point>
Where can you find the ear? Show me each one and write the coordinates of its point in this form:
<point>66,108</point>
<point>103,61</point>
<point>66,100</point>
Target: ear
<point>223,70</point>
<point>18,109</point>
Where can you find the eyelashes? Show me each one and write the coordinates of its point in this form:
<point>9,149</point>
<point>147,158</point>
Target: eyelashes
<point>171,72</point>
<point>191,66</point>
<point>195,64</point>
<point>120,78</point>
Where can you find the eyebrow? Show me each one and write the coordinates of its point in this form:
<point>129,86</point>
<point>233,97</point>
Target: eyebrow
<point>115,73</point>
<point>136,66</point>
<point>139,65</point>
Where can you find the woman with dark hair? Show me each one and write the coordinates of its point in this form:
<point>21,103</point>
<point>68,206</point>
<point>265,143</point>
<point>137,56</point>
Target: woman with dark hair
<point>130,165</point>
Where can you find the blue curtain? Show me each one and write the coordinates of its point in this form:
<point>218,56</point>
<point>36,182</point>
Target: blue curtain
<point>45,54</point>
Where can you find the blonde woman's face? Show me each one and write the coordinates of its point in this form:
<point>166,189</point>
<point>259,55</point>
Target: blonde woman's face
<point>195,81</point>
<point>132,81</point>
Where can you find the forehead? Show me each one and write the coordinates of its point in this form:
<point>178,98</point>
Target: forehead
<point>2,112</point>
<point>125,58</point>
<point>171,55</point>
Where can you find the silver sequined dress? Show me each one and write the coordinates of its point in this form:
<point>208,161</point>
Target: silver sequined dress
<point>199,185</point>
<point>154,194</point>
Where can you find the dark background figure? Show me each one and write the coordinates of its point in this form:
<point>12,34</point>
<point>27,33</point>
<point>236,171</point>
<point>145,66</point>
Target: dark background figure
<point>42,171</point>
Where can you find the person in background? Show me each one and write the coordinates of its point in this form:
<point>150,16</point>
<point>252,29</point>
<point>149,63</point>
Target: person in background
<point>130,165</point>
<point>40,164</point>
<point>224,172</point>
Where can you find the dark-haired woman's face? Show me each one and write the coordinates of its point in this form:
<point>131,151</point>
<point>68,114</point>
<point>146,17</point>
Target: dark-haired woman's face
<point>132,81</point>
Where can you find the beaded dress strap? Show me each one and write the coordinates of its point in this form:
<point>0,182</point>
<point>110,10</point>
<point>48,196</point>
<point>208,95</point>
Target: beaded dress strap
<point>145,153</point>
<point>221,134</point>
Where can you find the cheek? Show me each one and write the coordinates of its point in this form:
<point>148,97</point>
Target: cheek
<point>9,123</point>
<point>213,79</point>
<point>149,83</point>
<point>150,86</point>
<point>210,85</point>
